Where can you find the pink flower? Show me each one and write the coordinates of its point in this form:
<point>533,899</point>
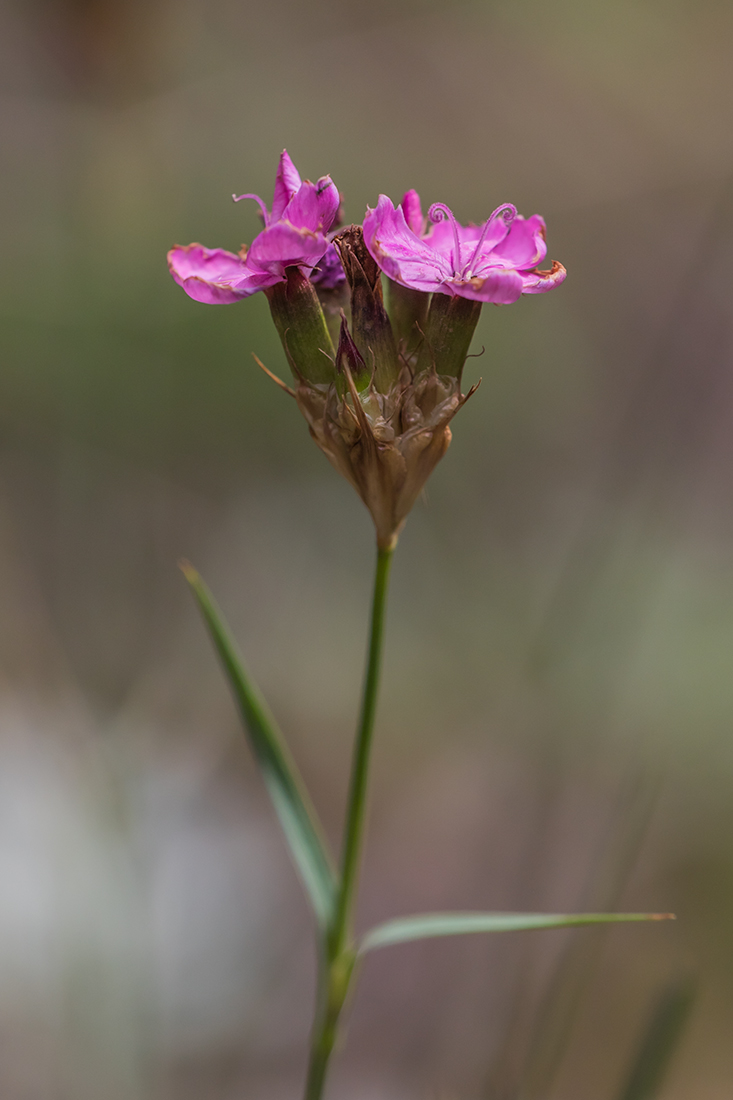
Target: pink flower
<point>493,262</point>
<point>294,236</point>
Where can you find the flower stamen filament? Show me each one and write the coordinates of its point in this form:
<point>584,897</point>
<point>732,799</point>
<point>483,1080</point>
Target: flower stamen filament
<point>508,212</point>
<point>439,212</point>
<point>260,203</point>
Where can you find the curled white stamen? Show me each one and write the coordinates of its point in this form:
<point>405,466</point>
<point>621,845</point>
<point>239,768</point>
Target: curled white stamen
<point>508,212</point>
<point>439,212</point>
<point>260,203</point>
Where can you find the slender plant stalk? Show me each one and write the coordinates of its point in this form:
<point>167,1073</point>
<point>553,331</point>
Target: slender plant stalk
<point>360,765</point>
<point>336,955</point>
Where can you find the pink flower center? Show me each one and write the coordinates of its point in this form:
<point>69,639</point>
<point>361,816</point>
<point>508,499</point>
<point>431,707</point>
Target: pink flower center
<point>508,212</point>
<point>440,212</point>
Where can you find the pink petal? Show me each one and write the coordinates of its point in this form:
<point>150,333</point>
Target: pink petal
<point>400,253</point>
<point>314,206</point>
<point>417,275</point>
<point>284,245</point>
<point>213,275</point>
<point>537,282</point>
<point>412,210</point>
<point>494,238</point>
<point>287,182</point>
<point>440,236</point>
<point>502,286</point>
<point>524,245</point>
<point>206,263</point>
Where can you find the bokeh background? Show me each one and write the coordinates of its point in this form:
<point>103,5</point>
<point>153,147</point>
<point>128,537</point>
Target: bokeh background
<point>555,727</point>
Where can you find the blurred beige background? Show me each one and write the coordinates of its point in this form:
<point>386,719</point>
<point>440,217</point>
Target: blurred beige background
<point>555,727</point>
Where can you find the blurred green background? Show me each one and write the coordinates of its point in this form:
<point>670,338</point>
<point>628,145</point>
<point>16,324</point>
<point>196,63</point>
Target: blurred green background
<point>555,728</point>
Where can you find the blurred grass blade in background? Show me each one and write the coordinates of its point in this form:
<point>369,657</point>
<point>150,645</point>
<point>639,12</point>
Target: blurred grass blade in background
<point>286,788</point>
<point>428,925</point>
<point>660,1040</point>
<point>577,964</point>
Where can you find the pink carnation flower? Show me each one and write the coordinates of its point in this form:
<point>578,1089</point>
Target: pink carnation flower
<point>294,236</point>
<point>494,262</point>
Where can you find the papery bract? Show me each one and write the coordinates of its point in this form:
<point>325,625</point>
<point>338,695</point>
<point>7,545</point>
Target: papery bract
<point>294,236</point>
<point>493,262</point>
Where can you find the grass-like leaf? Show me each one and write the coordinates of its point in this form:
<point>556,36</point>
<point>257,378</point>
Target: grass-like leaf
<point>284,784</point>
<point>428,925</point>
<point>659,1041</point>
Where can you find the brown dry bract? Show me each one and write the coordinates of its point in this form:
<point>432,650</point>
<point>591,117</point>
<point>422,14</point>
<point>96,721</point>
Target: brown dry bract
<point>385,445</point>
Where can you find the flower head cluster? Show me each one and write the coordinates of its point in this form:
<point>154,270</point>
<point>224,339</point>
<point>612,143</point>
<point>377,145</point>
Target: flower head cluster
<point>377,383</point>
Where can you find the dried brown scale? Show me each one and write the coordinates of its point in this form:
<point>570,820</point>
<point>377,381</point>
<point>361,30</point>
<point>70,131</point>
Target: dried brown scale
<point>385,444</point>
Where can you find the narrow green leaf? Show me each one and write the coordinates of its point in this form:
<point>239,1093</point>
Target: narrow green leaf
<point>428,925</point>
<point>659,1041</point>
<point>284,784</point>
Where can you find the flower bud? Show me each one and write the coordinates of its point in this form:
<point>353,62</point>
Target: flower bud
<point>301,327</point>
<point>370,324</point>
<point>349,360</point>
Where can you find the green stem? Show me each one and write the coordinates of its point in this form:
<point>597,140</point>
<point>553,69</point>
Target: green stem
<point>333,985</point>
<point>336,958</point>
<point>360,764</point>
